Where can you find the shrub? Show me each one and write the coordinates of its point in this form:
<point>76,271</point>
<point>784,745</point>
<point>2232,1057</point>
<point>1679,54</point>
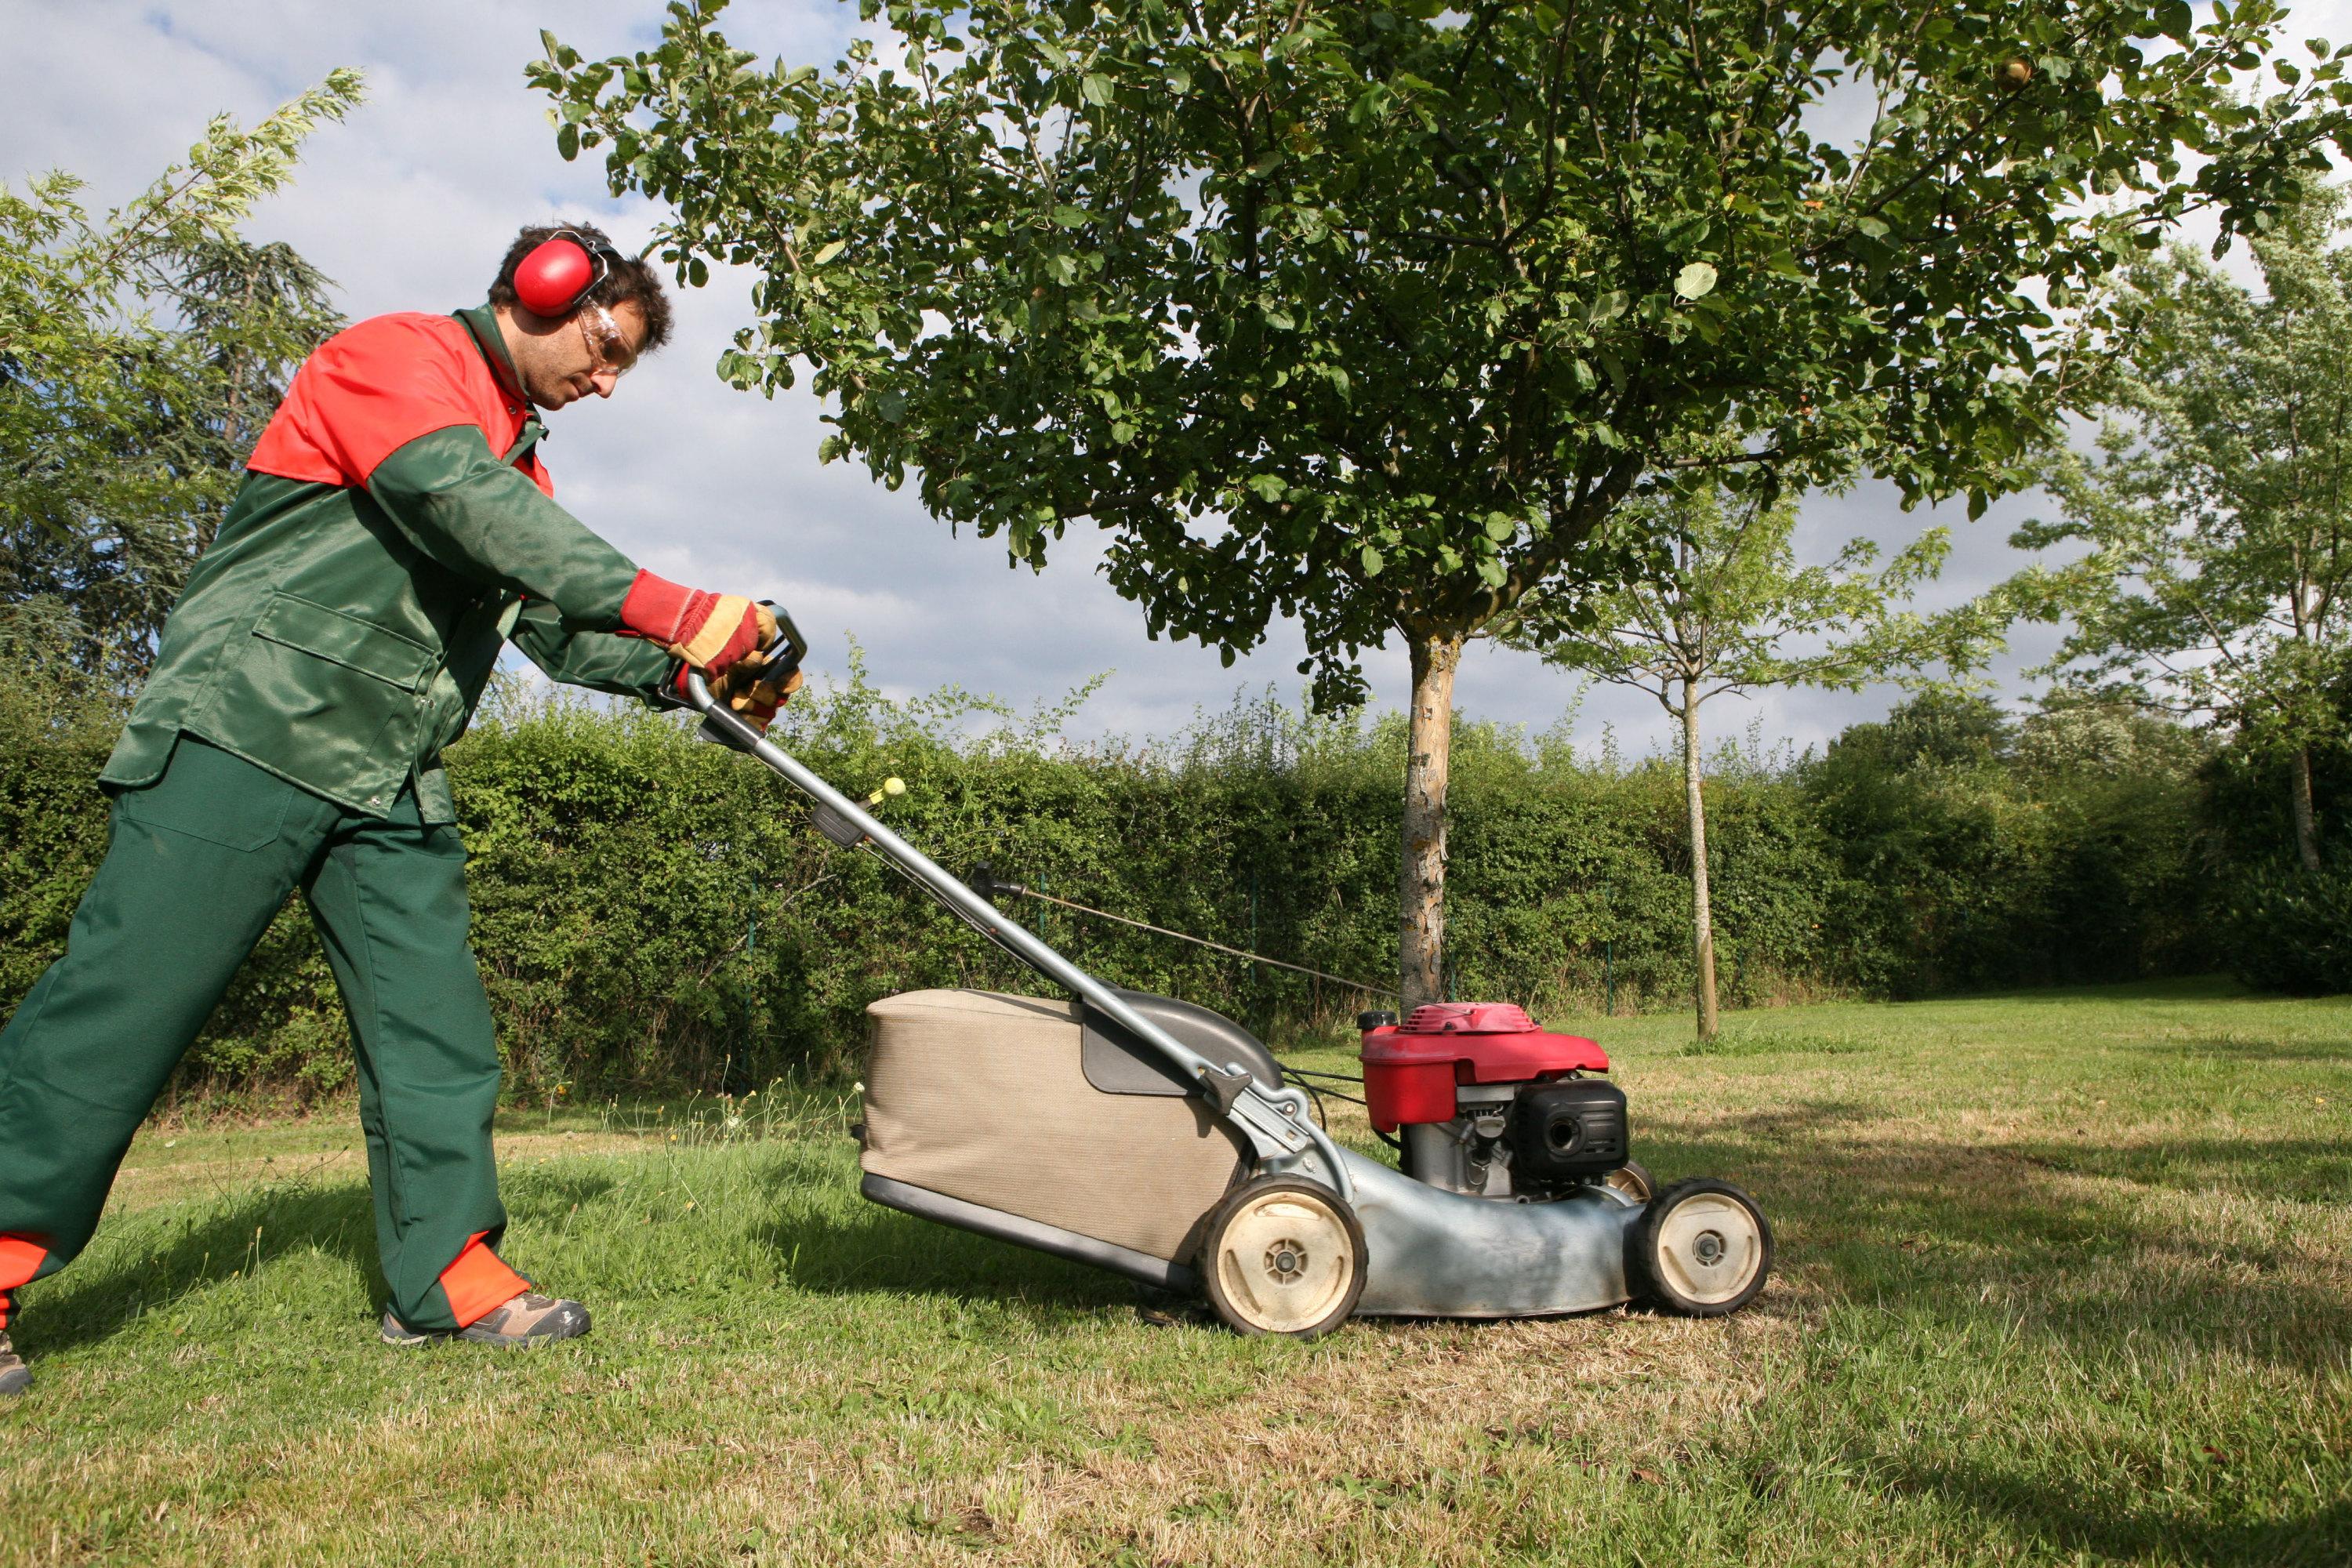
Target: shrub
<point>651,912</point>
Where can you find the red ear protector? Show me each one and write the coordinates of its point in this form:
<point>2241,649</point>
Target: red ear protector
<point>561,270</point>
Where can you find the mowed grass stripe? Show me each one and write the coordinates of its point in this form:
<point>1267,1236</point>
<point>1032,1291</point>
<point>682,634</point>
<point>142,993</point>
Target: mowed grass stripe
<point>2064,1277</point>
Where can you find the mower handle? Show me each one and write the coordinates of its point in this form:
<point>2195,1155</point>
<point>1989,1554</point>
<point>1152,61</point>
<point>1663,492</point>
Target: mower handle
<point>783,656</point>
<point>1275,1123</point>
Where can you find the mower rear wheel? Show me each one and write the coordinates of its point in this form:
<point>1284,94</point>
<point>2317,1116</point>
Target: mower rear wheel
<point>1701,1250</point>
<point>1283,1256</point>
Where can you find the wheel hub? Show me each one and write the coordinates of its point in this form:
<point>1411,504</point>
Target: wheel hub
<point>1286,1260</point>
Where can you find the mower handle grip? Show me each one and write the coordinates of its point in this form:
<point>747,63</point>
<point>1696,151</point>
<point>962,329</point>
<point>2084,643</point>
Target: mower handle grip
<point>783,656</point>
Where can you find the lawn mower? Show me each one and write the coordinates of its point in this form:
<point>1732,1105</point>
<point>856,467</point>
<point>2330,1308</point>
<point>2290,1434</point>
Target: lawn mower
<point>1155,1138</point>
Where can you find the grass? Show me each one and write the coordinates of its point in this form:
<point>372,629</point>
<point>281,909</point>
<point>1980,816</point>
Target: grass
<point>2064,1277</point>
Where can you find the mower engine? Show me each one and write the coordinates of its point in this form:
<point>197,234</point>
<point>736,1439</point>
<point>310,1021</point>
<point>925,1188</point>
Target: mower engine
<point>1490,1105</point>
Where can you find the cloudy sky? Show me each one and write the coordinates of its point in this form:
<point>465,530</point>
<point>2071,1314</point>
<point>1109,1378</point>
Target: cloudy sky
<point>409,203</point>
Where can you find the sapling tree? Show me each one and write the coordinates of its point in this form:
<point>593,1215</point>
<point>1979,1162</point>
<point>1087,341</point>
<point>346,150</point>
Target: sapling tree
<point>2214,515</point>
<point>1729,610</point>
<point>1372,316</point>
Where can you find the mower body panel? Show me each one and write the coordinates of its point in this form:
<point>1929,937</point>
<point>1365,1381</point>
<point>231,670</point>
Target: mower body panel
<point>1435,1254</point>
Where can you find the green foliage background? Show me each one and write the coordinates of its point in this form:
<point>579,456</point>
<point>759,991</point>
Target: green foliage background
<point>652,913</point>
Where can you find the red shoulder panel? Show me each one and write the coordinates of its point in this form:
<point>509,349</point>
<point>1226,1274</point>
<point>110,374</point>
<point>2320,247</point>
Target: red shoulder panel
<point>372,388</point>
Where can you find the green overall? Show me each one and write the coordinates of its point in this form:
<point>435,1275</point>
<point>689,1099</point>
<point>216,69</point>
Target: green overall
<point>329,645</point>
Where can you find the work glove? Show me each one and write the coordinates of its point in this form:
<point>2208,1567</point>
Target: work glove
<point>709,631</point>
<point>747,690</point>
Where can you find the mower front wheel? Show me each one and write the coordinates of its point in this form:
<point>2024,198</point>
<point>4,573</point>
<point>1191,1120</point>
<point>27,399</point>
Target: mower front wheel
<point>1701,1248</point>
<point>1282,1256</point>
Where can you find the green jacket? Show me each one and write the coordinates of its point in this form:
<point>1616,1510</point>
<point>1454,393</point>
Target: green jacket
<point>394,529</point>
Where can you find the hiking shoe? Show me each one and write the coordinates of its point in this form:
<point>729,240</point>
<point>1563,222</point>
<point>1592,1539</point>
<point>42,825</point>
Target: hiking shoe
<point>528,1319</point>
<point>15,1376</point>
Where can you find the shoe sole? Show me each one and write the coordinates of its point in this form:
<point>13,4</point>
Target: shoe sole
<point>407,1339</point>
<point>15,1381</point>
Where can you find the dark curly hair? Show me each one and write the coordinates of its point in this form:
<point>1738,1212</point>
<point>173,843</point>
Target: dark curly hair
<point>628,279</point>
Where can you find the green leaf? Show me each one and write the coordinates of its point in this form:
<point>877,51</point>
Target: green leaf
<point>567,142</point>
<point>1373,560</point>
<point>830,250</point>
<point>1071,218</point>
<point>1097,89</point>
<point>1695,280</point>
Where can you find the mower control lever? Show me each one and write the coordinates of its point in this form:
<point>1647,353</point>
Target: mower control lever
<point>1224,1085</point>
<point>782,656</point>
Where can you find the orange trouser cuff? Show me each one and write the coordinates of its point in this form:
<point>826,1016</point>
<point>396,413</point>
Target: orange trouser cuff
<point>478,1284</point>
<point>20,1259</point>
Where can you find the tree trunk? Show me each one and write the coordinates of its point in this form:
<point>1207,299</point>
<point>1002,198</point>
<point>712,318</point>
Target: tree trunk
<point>1702,910</point>
<point>1421,873</point>
<point>2307,824</point>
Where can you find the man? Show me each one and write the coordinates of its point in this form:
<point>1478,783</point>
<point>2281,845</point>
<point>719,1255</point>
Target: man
<point>394,530</point>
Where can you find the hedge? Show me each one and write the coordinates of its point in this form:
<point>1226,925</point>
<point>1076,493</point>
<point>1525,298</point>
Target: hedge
<point>651,912</point>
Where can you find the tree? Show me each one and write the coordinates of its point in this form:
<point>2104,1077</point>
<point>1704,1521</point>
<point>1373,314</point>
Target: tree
<point>2215,514</point>
<point>1727,612</point>
<point>1373,316</point>
<point>140,356</point>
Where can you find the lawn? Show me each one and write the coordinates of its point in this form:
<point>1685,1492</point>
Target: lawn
<point>2064,1277</point>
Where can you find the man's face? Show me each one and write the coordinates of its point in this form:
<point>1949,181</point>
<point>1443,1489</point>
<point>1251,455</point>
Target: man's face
<point>563,359</point>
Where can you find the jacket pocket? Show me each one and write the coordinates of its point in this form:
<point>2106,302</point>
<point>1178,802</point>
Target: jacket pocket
<point>346,640</point>
<point>322,697</point>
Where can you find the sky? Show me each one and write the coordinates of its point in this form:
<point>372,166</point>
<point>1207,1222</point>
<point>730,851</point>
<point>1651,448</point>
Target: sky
<point>410,202</point>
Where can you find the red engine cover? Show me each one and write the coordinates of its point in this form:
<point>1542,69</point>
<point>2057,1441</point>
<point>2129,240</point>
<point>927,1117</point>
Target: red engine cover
<point>1410,1068</point>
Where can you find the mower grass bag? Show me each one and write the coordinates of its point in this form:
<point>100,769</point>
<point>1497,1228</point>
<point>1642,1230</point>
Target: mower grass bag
<point>1007,1115</point>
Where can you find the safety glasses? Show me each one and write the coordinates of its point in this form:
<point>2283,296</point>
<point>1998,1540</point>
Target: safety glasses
<point>607,349</point>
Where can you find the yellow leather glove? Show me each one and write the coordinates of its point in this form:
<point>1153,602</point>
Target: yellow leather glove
<point>748,694</point>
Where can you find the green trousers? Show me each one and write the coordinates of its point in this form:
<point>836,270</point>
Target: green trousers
<point>198,864</point>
